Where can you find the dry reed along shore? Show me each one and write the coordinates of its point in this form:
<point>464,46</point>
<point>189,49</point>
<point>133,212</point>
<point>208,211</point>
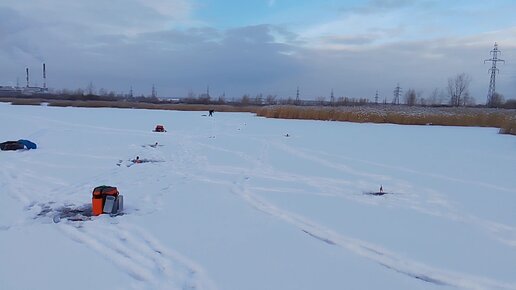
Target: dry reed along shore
<point>404,115</point>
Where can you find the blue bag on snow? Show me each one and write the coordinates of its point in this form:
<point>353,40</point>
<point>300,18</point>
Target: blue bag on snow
<point>28,144</point>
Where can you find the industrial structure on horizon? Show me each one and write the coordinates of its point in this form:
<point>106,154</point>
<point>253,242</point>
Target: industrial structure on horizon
<point>27,90</point>
<point>493,70</point>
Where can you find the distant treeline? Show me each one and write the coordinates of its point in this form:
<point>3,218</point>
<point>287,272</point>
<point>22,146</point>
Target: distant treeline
<point>258,100</point>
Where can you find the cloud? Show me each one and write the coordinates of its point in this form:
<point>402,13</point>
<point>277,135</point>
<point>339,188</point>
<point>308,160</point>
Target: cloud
<point>389,4</point>
<point>11,22</point>
<point>38,30</point>
<point>381,6</point>
<point>393,21</point>
<point>346,40</point>
<point>13,29</point>
<point>116,16</point>
<point>239,60</point>
<point>155,45</point>
<point>422,65</point>
<point>174,10</point>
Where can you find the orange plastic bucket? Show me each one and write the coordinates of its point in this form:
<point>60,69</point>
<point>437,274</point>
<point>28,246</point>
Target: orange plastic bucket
<point>97,205</point>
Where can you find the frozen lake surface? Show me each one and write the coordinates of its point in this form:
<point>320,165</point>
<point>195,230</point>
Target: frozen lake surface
<point>232,203</point>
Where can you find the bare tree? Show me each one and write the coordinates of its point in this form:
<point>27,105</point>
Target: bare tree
<point>204,98</point>
<point>288,101</point>
<point>271,100</point>
<point>458,89</point>
<point>469,101</point>
<point>436,97</point>
<point>410,97</point>
<point>258,99</point>
<point>79,92</point>
<point>191,95</point>
<point>90,89</point>
<point>510,104</point>
<point>320,101</point>
<point>496,101</point>
<point>245,100</point>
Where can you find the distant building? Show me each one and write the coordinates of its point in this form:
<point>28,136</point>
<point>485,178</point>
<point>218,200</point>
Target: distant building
<point>29,91</point>
<point>9,91</point>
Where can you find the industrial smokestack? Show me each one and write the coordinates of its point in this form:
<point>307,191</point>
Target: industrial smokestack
<point>27,71</point>
<point>44,76</point>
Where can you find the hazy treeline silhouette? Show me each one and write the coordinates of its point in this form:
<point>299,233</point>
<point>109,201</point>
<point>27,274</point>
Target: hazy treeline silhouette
<point>454,94</point>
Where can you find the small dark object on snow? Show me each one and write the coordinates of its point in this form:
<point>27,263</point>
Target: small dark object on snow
<point>18,145</point>
<point>211,113</point>
<point>378,193</point>
<point>287,135</point>
<point>28,144</point>
<point>138,161</point>
<point>11,145</point>
<point>160,128</point>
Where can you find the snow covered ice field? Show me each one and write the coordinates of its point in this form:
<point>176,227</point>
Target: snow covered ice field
<point>233,204</point>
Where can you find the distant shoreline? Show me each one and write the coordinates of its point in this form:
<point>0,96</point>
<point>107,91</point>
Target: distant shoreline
<point>504,119</point>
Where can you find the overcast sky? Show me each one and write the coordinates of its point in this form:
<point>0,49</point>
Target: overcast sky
<point>258,46</point>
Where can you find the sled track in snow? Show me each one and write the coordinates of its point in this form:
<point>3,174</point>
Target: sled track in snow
<point>501,232</point>
<point>134,250</point>
<point>378,254</point>
<point>129,247</point>
<point>370,251</point>
<point>138,254</point>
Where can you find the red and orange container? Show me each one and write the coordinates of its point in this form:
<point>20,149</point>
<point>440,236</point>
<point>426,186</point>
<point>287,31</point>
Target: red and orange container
<point>99,197</point>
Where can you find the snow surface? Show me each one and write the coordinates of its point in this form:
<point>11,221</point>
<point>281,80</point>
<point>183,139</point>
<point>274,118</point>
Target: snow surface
<point>234,204</point>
